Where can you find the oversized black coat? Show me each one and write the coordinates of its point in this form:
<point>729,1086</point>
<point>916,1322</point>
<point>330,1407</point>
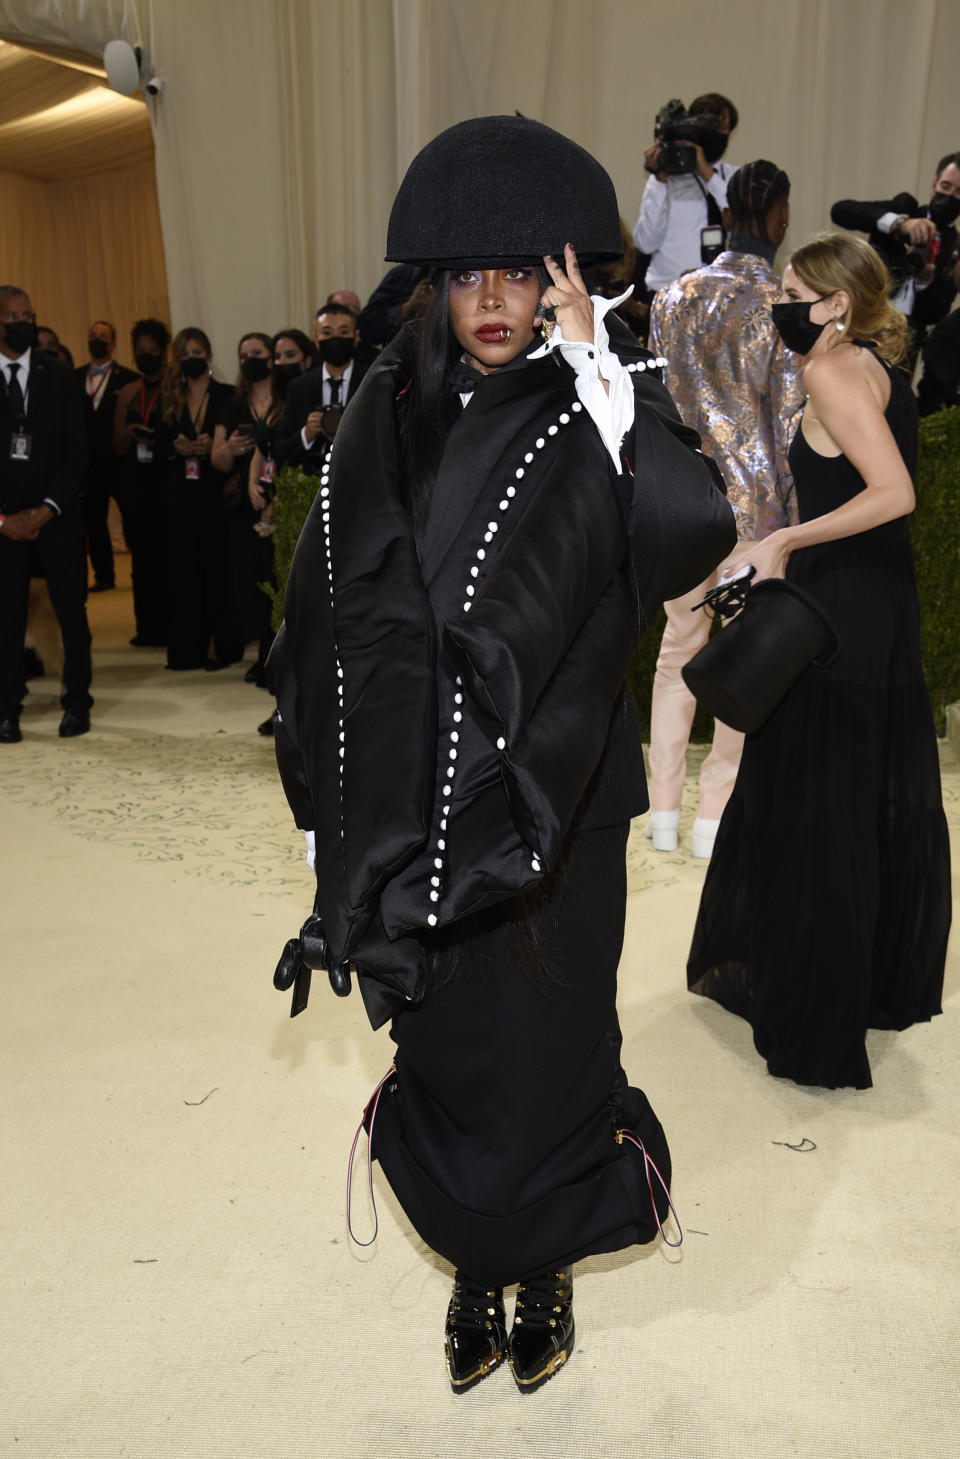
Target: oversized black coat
<point>448,715</point>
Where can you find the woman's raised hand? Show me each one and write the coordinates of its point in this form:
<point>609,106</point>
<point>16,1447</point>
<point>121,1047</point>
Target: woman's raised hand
<point>567,296</point>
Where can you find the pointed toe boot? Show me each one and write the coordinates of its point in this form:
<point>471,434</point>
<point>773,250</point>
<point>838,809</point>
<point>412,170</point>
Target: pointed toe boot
<point>544,1333</point>
<point>475,1337</point>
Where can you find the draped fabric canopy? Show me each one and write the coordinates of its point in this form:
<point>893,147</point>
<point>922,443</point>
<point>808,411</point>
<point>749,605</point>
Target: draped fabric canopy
<point>286,124</point>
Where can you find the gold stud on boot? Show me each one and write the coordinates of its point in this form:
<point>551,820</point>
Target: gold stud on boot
<point>544,1333</point>
<point>475,1337</point>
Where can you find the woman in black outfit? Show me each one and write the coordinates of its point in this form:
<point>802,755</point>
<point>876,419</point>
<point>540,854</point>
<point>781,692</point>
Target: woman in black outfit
<point>826,906</point>
<point>251,407</point>
<point>294,354</point>
<point>136,420</point>
<point>454,729</point>
<point>190,401</point>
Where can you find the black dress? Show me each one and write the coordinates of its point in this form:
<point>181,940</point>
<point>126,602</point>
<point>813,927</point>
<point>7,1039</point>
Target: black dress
<point>144,472</point>
<point>246,606</point>
<point>826,905</point>
<point>196,553</point>
<point>453,724</point>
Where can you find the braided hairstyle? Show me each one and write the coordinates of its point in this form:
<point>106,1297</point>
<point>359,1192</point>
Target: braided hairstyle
<point>752,191</point>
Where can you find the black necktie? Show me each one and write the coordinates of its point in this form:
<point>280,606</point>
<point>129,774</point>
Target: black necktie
<point>14,391</point>
<point>334,389</point>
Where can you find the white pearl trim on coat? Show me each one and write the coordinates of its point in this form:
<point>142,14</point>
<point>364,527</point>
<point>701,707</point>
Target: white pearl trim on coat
<point>324,494</point>
<point>492,528</point>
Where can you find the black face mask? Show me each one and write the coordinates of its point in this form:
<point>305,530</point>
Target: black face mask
<point>336,350</point>
<point>99,349</point>
<point>795,327</point>
<point>286,373</point>
<point>193,366</point>
<point>20,335</point>
<point>943,209</point>
<point>147,362</point>
<point>255,368</point>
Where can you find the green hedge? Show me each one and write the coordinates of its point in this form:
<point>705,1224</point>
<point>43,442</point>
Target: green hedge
<point>935,530</point>
<point>934,527</point>
<point>295,491</point>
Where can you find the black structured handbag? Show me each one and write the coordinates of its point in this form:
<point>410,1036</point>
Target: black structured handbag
<point>775,632</point>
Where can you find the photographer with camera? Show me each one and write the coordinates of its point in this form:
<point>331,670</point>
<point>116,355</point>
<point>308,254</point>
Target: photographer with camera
<point>680,213</point>
<point>919,245</point>
<point>316,401</point>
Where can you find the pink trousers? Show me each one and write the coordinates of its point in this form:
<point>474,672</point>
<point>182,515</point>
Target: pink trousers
<point>672,711</point>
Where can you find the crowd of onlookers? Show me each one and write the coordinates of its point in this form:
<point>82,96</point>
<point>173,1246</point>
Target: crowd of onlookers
<point>190,460</point>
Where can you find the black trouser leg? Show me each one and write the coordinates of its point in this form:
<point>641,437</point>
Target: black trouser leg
<point>62,562</point>
<point>15,560</point>
<point>96,502</point>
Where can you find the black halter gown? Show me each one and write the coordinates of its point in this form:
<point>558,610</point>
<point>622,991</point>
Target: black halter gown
<point>826,906</point>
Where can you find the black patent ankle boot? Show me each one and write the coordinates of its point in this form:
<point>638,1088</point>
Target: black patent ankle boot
<point>543,1333</point>
<point>475,1337</point>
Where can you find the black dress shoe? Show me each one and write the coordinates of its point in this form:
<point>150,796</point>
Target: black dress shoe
<point>543,1332</point>
<point>101,587</point>
<point>266,728</point>
<point>10,730</point>
<point>475,1337</point>
<point>74,722</point>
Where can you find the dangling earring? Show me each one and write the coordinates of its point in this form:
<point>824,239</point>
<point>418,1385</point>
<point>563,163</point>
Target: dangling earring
<point>840,326</point>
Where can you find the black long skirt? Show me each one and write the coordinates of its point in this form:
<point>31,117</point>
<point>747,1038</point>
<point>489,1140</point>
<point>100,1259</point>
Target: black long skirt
<point>499,1132</point>
<point>826,906</point>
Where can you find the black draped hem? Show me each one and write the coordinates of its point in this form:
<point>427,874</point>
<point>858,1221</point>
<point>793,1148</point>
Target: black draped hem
<point>606,1208</point>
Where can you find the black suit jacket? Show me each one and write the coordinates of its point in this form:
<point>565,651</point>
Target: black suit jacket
<point>58,440</point>
<point>931,303</point>
<point>303,396</point>
<point>100,421</point>
<point>940,383</point>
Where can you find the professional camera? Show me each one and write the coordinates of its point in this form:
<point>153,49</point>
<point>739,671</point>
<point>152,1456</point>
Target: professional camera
<point>943,211</point>
<point>331,419</point>
<point>675,130</point>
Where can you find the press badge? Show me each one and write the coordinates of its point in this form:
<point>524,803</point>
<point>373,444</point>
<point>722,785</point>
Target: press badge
<point>20,448</point>
<point>267,472</point>
<point>144,452</point>
<point>191,468</point>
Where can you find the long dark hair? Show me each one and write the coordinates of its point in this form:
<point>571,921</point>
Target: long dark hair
<point>428,407</point>
<point>173,393</point>
<point>306,347</point>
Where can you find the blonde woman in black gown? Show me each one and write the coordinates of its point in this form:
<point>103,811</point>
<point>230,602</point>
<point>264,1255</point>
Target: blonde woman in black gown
<point>826,906</point>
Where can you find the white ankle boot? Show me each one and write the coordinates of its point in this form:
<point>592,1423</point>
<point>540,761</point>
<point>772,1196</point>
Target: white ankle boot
<point>662,829</point>
<point>704,835</point>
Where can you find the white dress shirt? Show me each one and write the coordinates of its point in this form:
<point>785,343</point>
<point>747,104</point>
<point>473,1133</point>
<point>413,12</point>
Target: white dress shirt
<point>671,216</point>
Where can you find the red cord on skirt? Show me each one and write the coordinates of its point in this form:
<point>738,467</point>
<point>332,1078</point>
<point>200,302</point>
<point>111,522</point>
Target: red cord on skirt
<point>648,1164</point>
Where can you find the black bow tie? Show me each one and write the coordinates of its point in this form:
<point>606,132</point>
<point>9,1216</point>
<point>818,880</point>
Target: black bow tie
<point>462,378</point>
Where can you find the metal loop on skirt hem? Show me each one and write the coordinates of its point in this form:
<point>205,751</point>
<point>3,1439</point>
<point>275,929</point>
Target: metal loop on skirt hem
<point>650,1164</point>
<point>369,1109</point>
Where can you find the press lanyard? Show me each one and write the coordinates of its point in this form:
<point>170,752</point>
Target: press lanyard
<point>146,410</point>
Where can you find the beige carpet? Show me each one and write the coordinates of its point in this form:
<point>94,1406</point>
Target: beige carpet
<point>176,1278</point>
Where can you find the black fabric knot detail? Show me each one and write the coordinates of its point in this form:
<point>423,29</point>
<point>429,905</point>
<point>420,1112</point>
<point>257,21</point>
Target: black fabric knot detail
<point>462,378</point>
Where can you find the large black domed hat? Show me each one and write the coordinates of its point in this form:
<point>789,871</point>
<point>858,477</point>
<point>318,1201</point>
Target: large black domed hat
<point>501,192</point>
